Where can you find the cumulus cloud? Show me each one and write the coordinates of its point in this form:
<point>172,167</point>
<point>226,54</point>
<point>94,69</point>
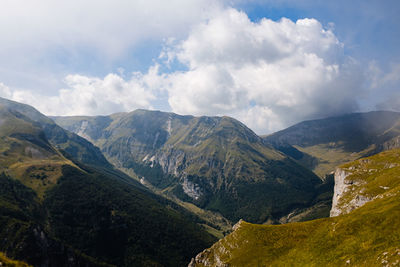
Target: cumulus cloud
<point>268,73</point>
<point>95,96</point>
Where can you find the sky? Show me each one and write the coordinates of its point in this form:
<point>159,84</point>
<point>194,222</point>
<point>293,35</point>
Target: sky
<point>269,64</point>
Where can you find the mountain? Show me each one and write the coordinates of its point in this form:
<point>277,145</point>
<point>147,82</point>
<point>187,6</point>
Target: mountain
<point>67,142</point>
<point>366,232</point>
<point>61,208</point>
<point>215,162</point>
<point>324,144</point>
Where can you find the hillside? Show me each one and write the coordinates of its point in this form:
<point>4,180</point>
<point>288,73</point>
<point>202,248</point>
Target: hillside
<point>366,236</point>
<point>324,144</point>
<point>57,211</point>
<point>215,162</point>
<point>68,143</point>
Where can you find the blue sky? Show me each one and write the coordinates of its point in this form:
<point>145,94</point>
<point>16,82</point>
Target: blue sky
<point>267,63</point>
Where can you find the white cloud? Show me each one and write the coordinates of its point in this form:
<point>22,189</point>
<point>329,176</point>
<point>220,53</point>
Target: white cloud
<point>109,26</point>
<point>281,72</point>
<point>44,40</point>
<point>269,74</point>
<point>94,96</point>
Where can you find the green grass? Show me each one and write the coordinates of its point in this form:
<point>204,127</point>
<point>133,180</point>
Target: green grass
<point>368,236</point>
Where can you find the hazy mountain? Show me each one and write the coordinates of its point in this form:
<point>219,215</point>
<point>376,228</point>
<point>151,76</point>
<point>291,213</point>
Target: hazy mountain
<point>369,235</point>
<point>326,143</point>
<point>57,211</point>
<point>215,162</point>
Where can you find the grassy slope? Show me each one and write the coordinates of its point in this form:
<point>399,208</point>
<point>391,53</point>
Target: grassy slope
<point>69,143</point>
<point>368,236</point>
<point>26,154</point>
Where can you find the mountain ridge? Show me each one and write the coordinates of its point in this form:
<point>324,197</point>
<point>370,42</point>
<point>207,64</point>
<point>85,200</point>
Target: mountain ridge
<point>324,144</point>
<point>57,211</point>
<point>210,161</point>
<point>366,235</point>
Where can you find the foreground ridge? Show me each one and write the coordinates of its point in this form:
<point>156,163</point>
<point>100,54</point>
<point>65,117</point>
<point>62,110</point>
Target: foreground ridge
<point>361,236</point>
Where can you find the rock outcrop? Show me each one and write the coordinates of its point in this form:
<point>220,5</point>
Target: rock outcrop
<point>347,194</point>
<point>340,187</point>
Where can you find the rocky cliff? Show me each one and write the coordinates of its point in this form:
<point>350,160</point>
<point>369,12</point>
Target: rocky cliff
<point>343,187</point>
<point>355,183</point>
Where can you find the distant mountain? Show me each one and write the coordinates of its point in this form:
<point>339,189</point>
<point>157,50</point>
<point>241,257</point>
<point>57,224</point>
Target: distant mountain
<point>366,232</point>
<point>57,211</point>
<point>215,162</point>
<point>326,143</point>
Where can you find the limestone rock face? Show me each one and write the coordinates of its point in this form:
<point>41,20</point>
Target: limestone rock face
<point>347,194</point>
<point>340,187</point>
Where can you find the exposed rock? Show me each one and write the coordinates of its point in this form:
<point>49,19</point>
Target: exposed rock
<point>237,225</point>
<point>34,153</point>
<point>191,189</point>
<point>339,189</point>
<point>343,186</point>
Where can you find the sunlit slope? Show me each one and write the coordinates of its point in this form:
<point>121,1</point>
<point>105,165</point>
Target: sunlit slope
<point>68,143</point>
<point>324,144</point>
<point>367,236</point>
<point>25,152</point>
<point>216,163</point>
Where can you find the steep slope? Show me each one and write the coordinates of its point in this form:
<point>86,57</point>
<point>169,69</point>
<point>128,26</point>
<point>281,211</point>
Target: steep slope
<point>69,143</point>
<point>364,180</point>
<point>215,162</point>
<point>367,236</point>
<point>324,144</point>
<point>56,211</point>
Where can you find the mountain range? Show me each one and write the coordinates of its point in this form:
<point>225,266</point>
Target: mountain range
<point>151,188</point>
<point>217,163</point>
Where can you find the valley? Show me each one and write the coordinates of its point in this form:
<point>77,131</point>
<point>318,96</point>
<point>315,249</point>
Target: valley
<point>216,163</point>
<point>157,188</point>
